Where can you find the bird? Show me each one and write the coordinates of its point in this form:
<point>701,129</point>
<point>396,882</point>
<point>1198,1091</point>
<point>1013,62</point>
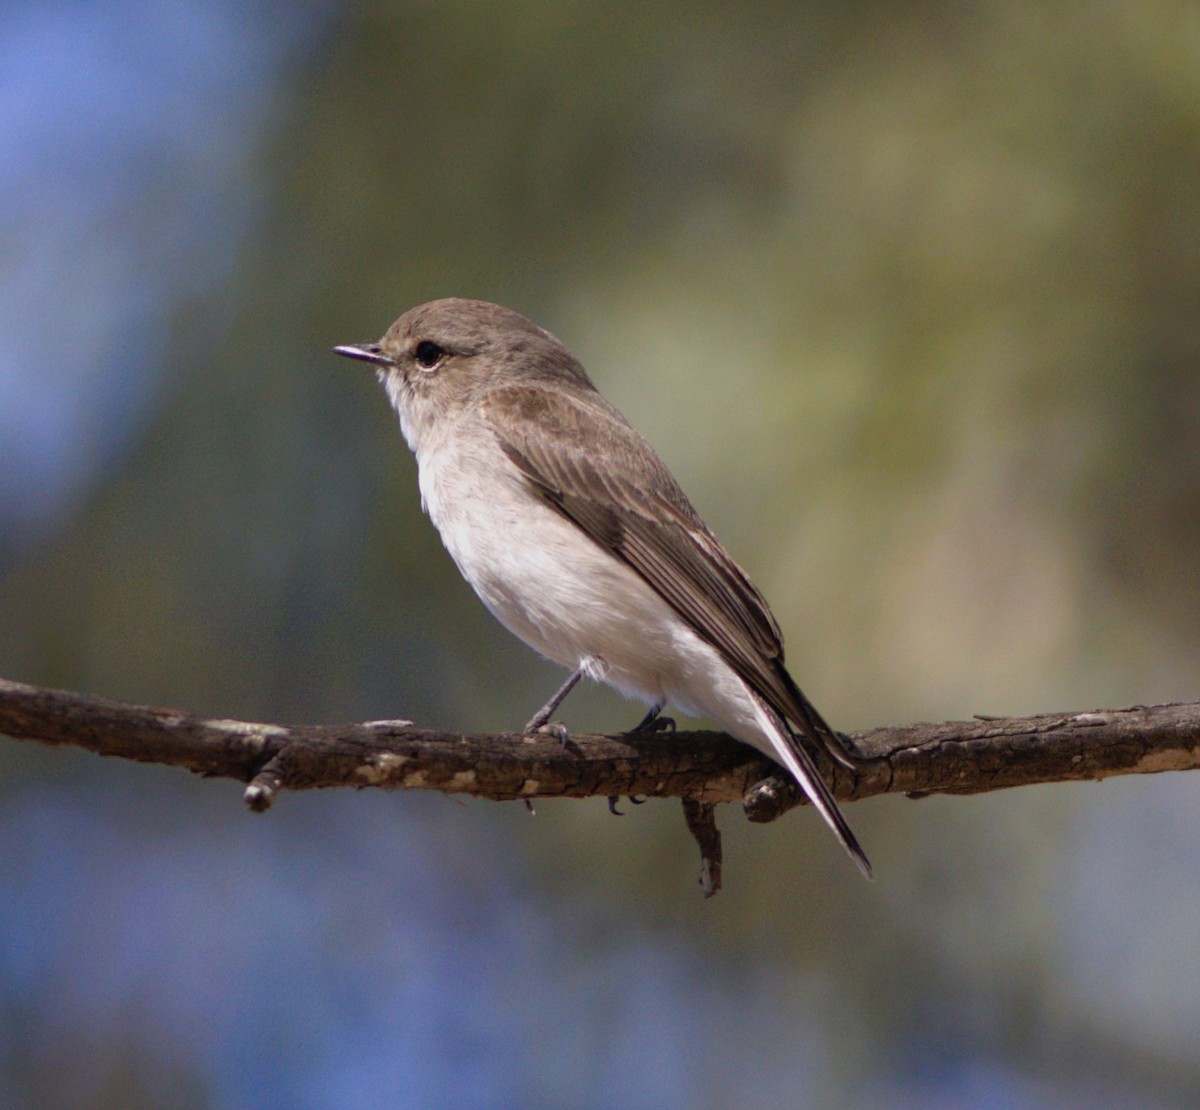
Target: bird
<point>576,536</point>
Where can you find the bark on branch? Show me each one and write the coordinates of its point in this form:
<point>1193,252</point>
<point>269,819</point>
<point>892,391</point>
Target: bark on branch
<point>957,757</point>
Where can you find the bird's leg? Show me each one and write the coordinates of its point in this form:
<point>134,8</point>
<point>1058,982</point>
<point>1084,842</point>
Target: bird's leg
<point>652,722</point>
<point>538,721</point>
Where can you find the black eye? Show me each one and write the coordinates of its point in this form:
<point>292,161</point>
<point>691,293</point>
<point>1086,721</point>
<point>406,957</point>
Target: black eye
<point>429,354</point>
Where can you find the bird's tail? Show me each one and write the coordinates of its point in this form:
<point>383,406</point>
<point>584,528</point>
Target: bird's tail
<point>814,726</point>
<point>789,751</point>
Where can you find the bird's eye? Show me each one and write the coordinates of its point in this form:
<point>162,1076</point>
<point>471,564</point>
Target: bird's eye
<point>429,354</point>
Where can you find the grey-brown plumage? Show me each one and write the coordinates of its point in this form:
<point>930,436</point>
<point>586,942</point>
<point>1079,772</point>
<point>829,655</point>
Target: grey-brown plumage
<point>576,535</point>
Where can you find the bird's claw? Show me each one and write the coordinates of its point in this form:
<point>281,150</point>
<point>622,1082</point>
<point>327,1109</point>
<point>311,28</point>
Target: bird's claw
<point>652,722</point>
<point>614,798</point>
<point>550,728</point>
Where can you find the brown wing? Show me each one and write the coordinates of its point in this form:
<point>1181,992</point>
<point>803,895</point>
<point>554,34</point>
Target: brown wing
<point>632,506</point>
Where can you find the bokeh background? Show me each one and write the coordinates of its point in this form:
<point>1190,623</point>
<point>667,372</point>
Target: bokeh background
<point>909,298</point>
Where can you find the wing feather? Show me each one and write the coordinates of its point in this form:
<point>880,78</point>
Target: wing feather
<point>634,508</point>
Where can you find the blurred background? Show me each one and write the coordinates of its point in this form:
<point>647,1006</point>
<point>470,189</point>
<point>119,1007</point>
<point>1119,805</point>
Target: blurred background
<point>908,296</point>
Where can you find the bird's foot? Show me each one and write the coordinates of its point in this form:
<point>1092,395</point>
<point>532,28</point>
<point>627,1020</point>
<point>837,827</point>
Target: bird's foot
<point>548,728</point>
<point>614,798</point>
<point>652,722</point>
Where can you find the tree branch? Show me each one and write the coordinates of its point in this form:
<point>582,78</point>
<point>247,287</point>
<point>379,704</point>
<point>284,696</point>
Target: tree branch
<point>958,757</point>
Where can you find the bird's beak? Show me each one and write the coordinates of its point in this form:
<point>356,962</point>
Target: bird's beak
<point>366,352</point>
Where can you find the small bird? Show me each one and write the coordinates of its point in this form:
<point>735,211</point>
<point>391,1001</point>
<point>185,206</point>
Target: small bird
<point>577,537</point>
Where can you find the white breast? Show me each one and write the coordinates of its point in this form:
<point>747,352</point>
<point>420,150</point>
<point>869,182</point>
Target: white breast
<point>550,585</point>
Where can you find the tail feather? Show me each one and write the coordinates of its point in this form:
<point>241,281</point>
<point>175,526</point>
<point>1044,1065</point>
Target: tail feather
<point>791,753</point>
<point>814,726</point>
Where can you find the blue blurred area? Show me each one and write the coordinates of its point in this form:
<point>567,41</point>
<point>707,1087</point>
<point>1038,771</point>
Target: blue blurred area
<point>371,950</point>
<point>125,185</point>
<point>349,950</point>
